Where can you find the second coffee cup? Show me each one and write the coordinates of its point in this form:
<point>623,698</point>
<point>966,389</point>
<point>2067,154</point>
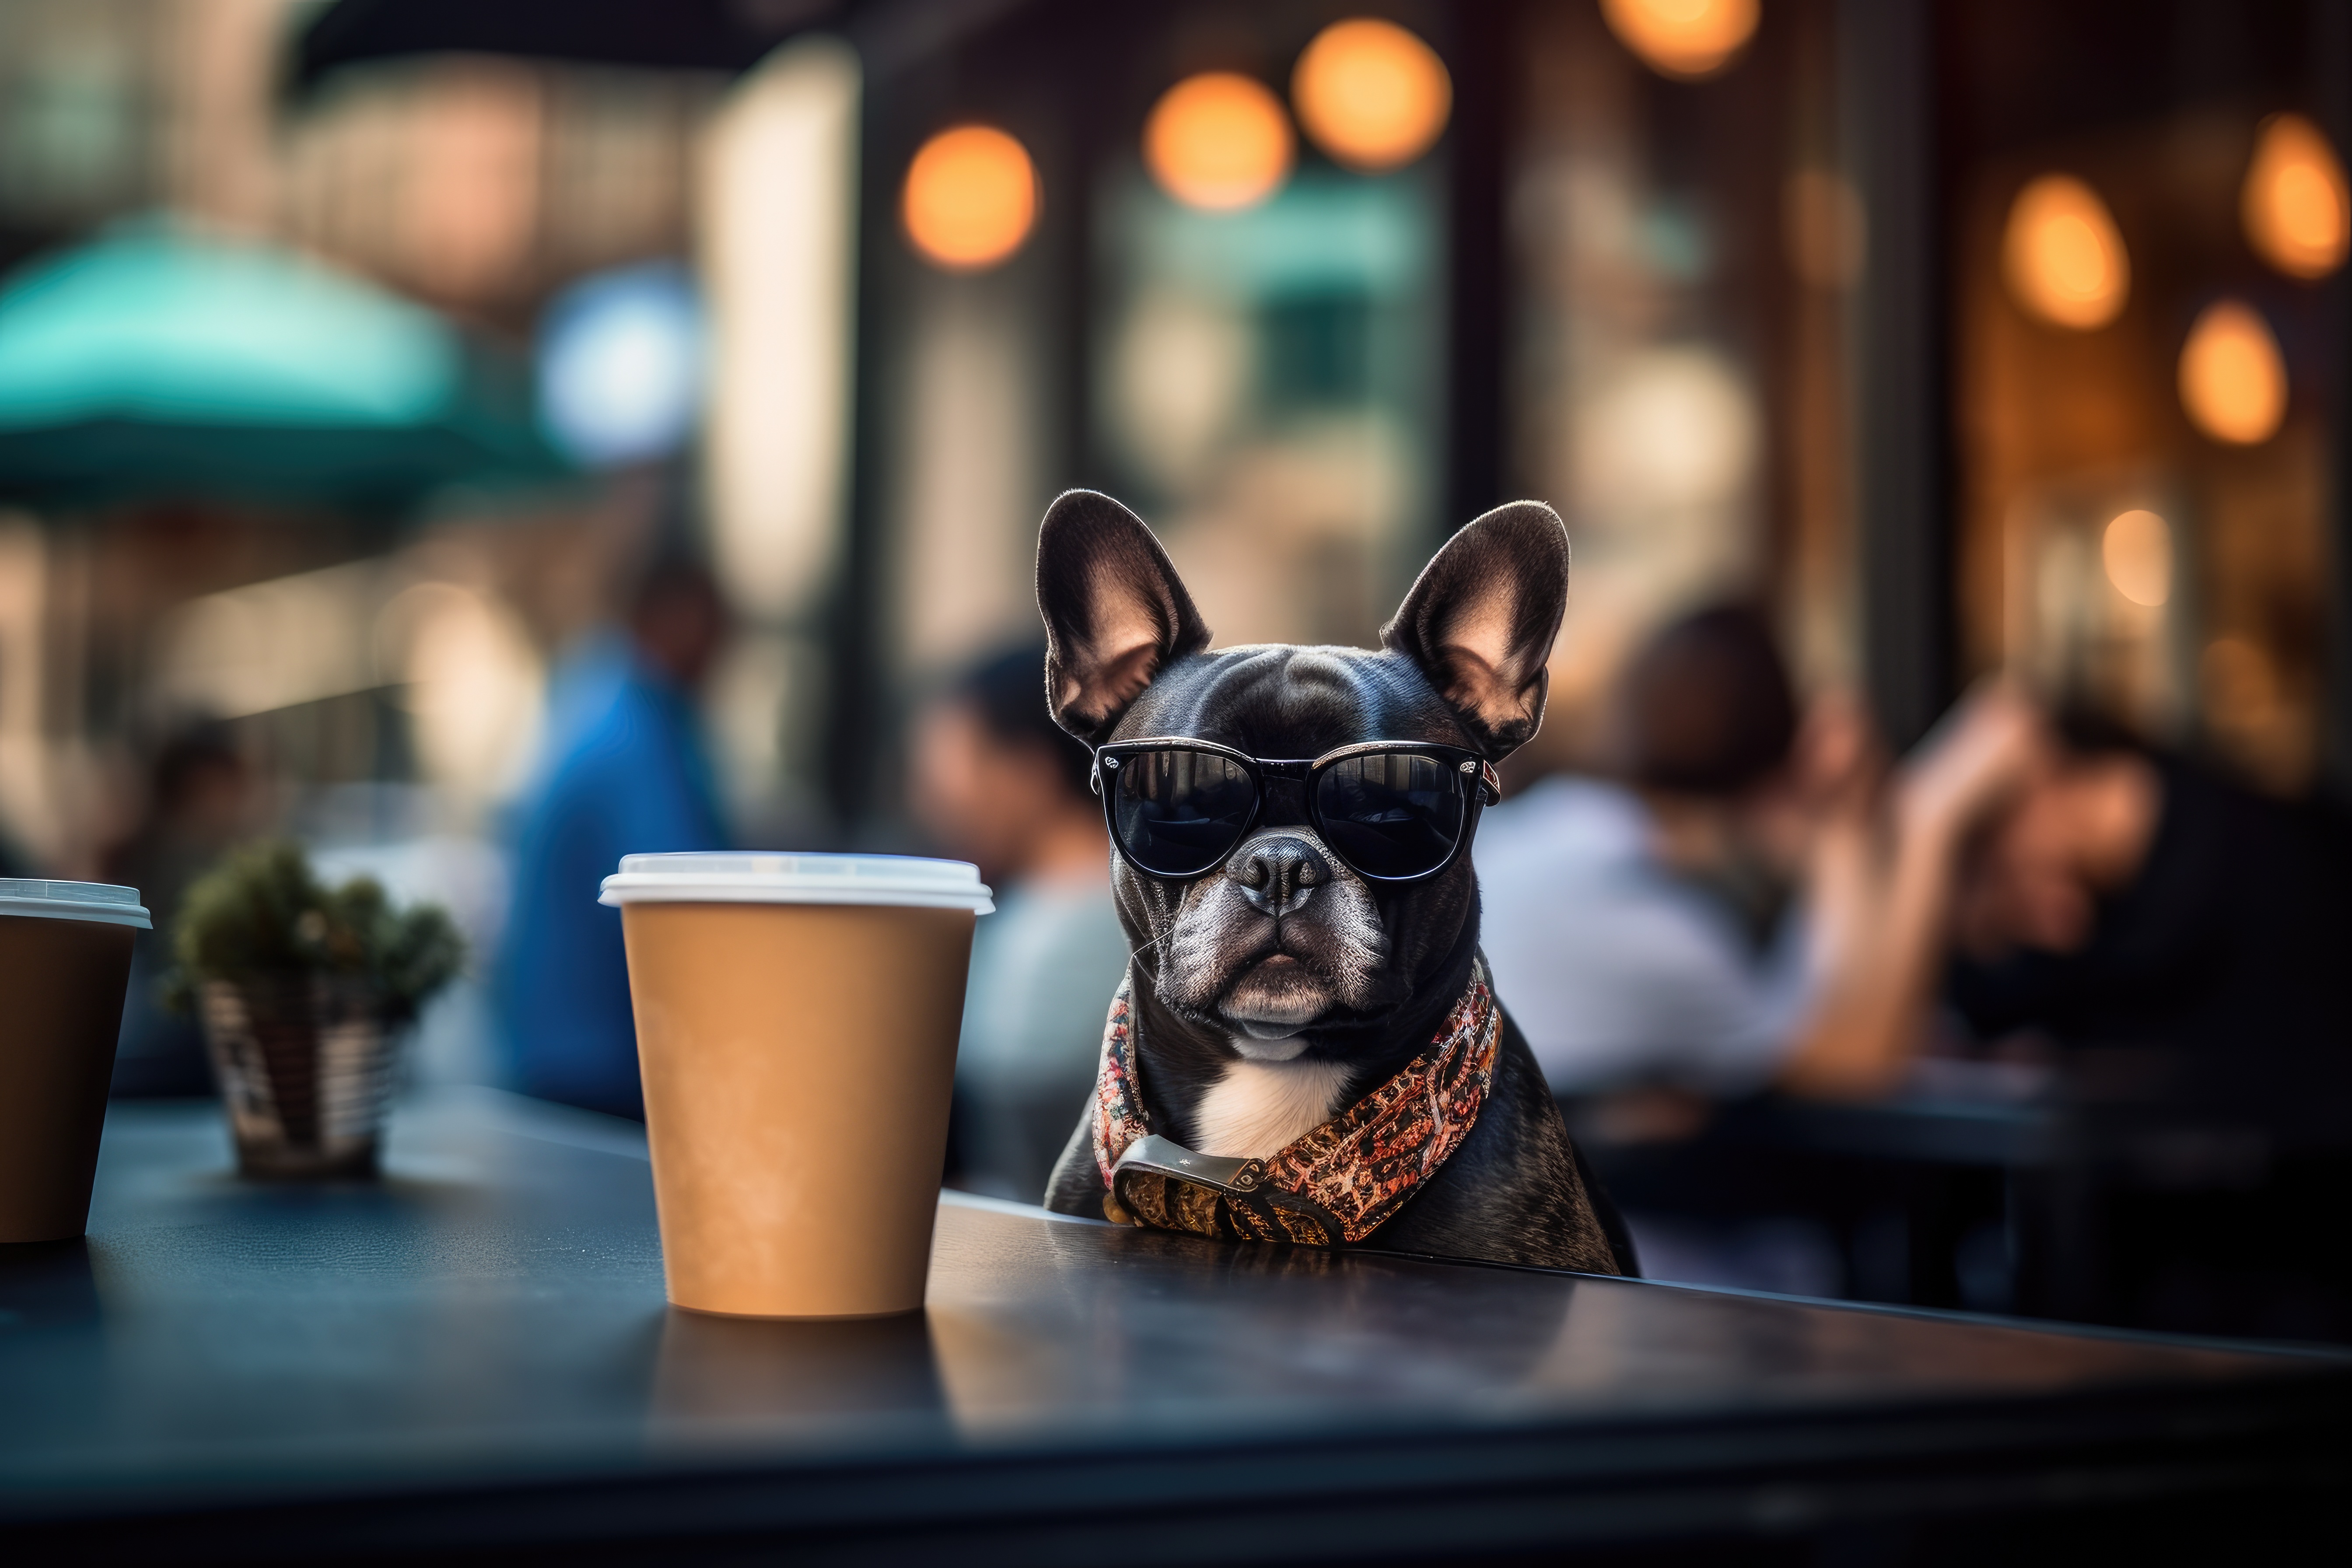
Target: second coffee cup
<point>65,965</point>
<point>796,1023</point>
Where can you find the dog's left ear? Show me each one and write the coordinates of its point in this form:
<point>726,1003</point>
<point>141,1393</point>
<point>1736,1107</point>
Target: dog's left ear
<point>1481,621</point>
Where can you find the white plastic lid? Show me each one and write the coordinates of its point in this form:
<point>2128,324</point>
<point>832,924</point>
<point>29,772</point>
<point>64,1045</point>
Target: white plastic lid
<point>101,902</point>
<point>900,880</point>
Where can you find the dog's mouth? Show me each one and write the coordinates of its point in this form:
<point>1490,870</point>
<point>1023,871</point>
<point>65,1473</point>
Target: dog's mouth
<point>1276,997</point>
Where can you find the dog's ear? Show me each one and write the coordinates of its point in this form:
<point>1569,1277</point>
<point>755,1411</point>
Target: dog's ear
<point>1115,611</point>
<point>1481,620</point>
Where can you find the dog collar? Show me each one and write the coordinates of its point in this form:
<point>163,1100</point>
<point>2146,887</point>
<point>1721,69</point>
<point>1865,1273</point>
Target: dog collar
<point>1337,1183</point>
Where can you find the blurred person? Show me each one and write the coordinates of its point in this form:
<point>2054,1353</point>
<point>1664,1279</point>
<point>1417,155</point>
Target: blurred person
<point>996,781</point>
<point>2176,942</point>
<point>1638,930</point>
<point>2058,878</point>
<point>2118,896</point>
<point>201,800</point>
<point>623,772</point>
<point>1757,902</point>
<point>1751,902</point>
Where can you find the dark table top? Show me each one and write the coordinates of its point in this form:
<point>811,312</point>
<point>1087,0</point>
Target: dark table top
<point>476,1351</point>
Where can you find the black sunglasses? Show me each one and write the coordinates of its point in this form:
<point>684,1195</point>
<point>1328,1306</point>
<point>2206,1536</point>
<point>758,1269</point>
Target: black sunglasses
<point>1394,811</point>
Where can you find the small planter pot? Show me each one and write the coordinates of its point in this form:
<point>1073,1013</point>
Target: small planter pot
<point>305,1064</point>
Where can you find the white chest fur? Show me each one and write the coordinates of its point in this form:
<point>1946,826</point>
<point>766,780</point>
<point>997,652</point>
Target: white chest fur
<point>1258,1106</point>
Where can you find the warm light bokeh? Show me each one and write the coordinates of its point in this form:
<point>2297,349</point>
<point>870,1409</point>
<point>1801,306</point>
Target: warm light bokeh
<point>2136,550</point>
<point>1218,141</point>
<point>2063,257</point>
<point>970,198</point>
<point>2297,210</point>
<point>2233,377</point>
<point>1370,94</point>
<point>1685,39</point>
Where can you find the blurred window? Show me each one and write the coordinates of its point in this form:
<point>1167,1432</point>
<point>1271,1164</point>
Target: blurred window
<point>1271,391</point>
<point>2143,486</point>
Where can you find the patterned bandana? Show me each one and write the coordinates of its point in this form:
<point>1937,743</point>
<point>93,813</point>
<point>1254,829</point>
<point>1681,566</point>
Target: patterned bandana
<point>1334,1185</point>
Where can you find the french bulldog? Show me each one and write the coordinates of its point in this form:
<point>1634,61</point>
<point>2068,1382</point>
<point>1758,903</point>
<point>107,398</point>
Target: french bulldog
<point>1271,991</point>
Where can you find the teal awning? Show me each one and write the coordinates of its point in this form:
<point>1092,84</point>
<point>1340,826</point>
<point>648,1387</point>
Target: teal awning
<point>156,362</point>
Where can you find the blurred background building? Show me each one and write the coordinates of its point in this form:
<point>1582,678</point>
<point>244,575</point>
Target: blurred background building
<point>356,360</point>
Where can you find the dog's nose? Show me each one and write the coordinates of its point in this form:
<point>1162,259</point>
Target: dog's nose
<point>1278,873</point>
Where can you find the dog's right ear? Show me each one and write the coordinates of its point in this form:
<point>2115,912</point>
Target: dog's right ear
<point>1115,611</point>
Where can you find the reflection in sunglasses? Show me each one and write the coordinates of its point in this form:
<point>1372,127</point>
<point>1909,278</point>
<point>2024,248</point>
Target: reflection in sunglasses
<point>1392,815</point>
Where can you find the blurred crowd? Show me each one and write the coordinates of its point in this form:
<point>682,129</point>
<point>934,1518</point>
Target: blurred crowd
<point>1759,896</point>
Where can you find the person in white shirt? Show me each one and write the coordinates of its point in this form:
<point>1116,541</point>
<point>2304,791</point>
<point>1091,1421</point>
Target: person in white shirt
<point>1758,901</point>
<point>1619,967</point>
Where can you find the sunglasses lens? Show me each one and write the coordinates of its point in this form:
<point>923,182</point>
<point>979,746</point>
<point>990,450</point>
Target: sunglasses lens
<point>1390,814</point>
<point>1180,813</point>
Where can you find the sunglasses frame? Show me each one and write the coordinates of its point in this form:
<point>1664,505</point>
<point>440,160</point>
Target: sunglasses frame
<point>1466,767</point>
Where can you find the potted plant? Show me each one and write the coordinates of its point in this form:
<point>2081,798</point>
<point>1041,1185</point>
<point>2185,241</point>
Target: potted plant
<point>303,992</point>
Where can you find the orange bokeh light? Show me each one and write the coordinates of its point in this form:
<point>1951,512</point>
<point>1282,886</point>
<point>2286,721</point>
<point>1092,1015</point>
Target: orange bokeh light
<point>2233,376</point>
<point>1218,141</point>
<point>2298,211</point>
<point>970,198</point>
<point>1685,39</point>
<point>2065,259</point>
<point>2136,550</point>
<point>1370,94</point>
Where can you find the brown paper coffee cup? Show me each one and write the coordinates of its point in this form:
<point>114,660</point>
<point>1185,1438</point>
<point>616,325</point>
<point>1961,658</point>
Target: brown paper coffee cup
<point>796,1027</point>
<point>65,965</point>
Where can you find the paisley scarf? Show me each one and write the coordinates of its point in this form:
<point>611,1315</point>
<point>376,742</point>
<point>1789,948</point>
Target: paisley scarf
<point>1335,1184</point>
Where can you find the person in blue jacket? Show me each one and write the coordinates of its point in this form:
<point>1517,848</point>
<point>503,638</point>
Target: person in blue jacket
<point>623,772</point>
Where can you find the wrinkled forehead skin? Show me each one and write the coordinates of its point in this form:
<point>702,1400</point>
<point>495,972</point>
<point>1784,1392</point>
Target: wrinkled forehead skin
<point>1278,702</point>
